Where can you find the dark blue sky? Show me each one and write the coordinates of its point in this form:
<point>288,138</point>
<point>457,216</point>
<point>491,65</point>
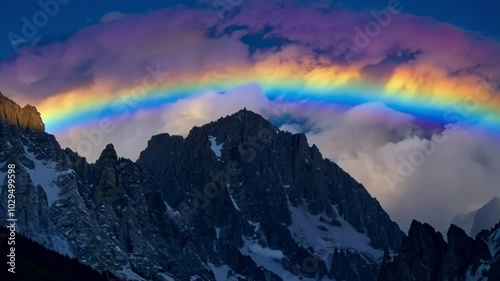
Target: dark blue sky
<point>71,17</point>
<point>481,15</point>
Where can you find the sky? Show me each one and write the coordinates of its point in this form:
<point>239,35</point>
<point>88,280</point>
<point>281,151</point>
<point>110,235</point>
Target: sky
<point>378,107</point>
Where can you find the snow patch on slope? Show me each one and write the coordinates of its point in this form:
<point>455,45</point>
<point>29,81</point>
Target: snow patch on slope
<point>215,148</point>
<point>267,262</point>
<point>217,232</point>
<point>478,276</point>
<point>45,174</point>
<point>269,259</point>
<point>267,253</point>
<point>310,232</point>
<point>127,274</point>
<point>166,277</point>
<point>220,272</point>
<point>494,242</point>
<point>172,213</point>
<point>232,198</point>
<point>256,225</point>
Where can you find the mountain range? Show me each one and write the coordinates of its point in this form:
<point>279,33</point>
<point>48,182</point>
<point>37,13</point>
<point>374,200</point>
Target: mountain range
<point>235,199</point>
<point>483,218</point>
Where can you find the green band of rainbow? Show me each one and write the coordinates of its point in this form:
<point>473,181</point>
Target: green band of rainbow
<point>442,109</point>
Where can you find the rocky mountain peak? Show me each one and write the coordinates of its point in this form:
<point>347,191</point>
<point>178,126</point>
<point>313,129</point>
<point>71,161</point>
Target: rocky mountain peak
<point>424,255</point>
<point>106,175</point>
<point>244,121</point>
<point>486,216</point>
<point>480,219</point>
<point>27,117</point>
<point>109,153</point>
<point>418,230</point>
<point>242,181</point>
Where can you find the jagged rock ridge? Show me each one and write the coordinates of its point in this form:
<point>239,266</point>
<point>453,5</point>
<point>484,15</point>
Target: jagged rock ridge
<point>425,256</point>
<point>246,171</point>
<point>236,199</point>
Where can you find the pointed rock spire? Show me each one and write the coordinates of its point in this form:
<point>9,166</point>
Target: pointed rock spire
<point>106,175</point>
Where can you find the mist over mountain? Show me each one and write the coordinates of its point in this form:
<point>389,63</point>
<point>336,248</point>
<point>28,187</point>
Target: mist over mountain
<point>483,218</point>
<point>465,221</point>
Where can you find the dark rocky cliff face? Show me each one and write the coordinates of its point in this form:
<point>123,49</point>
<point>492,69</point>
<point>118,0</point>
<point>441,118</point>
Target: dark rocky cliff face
<point>492,238</point>
<point>425,256</point>
<point>241,170</point>
<point>25,118</point>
